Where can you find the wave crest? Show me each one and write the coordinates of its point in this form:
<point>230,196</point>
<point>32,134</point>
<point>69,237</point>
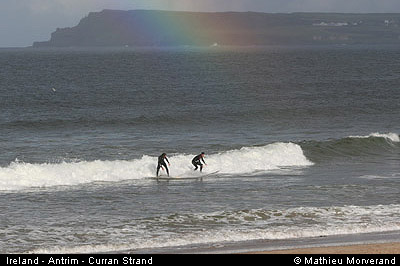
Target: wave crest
<point>389,136</point>
<point>375,144</point>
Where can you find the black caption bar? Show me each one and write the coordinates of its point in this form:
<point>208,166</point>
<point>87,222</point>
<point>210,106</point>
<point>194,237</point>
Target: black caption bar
<point>71,259</point>
<point>177,259</point>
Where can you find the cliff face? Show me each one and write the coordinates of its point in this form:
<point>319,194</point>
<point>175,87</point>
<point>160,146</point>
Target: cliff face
<point>166,28</point>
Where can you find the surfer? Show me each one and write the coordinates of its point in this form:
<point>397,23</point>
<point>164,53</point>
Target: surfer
<point>161,163</point>
<point>197,161</point>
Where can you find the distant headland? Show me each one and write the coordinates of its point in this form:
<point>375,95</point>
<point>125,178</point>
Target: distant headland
<point>138,28</point>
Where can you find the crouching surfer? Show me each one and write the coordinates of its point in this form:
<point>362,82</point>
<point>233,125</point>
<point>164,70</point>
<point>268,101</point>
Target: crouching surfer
<point>197,161</point>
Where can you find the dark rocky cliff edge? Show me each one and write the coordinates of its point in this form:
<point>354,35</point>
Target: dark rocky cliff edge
<point>168,28</point>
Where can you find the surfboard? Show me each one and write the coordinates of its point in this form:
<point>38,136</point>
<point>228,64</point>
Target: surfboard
<point>209,174</point>
<point>167,178</point>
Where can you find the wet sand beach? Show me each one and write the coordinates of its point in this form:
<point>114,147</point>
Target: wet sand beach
<point>379,248</point>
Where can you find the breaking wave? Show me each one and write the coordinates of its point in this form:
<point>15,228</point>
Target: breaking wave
<point>247,160</point>
<point>244,161</point>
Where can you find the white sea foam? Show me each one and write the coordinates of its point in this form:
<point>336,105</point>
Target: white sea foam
<point>20,175</point>
<point>371,177</point>
<point>390,136</point>
<point>300,222</point>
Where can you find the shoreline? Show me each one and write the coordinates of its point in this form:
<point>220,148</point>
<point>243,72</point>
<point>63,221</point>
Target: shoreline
<point>374,248</point>
<point>362,243</point>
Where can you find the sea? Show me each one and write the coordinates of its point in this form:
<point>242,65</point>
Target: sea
<point>301,145</point>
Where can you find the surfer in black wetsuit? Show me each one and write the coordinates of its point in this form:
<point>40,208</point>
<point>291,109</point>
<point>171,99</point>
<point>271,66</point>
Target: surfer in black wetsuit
<point>197,161</point>
<point>161,162</point>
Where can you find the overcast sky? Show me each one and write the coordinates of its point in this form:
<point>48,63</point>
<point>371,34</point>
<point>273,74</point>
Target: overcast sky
<point>24,21</point>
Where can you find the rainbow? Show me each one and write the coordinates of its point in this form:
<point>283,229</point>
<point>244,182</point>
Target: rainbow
<point>163,28</point>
